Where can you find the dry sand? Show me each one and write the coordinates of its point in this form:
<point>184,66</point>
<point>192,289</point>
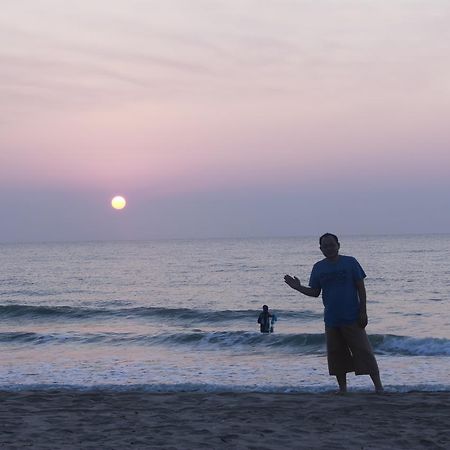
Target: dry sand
<point>69,419</point>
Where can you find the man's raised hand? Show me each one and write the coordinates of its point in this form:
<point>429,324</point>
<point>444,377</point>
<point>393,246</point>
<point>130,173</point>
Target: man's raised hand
<point>293,282</point>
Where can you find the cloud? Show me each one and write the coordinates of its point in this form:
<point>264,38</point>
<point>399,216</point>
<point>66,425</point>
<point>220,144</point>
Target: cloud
<point>148,50</point>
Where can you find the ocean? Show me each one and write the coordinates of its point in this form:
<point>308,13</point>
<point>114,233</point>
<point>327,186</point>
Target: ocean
<point>181,315</point>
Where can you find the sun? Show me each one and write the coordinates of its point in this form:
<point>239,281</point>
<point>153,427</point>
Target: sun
<point>118,202</point>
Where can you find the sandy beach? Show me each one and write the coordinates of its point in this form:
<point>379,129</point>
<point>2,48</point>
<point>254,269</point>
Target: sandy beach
<point>106,419</point>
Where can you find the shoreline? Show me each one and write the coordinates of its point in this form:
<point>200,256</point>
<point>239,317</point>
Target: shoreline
<point>70,418</point>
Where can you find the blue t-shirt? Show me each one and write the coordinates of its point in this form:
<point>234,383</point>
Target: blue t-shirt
<point>339,294</point>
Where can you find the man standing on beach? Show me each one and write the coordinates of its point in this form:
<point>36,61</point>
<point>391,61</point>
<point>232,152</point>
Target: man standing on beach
<point>341,280</point>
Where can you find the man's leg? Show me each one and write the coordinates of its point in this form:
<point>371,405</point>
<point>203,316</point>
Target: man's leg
<point>342,382</point>
<point>364,359</point>
<point>377,381</point>
<point>340,360</point>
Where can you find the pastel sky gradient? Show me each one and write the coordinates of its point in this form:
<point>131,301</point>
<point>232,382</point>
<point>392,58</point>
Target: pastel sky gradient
<point>223,118</point>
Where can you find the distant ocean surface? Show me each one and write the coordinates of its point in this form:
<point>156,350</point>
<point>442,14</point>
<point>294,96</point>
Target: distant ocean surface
<point>181,315</point>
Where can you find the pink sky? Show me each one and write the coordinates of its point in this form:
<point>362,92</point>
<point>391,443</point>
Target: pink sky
<point>164,101</point>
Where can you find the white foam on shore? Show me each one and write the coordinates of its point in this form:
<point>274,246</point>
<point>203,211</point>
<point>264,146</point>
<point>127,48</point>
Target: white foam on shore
<point>215,388</point>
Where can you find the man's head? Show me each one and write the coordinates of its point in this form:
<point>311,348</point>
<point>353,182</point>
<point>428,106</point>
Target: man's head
<point>329,245</point>
<point>265,308</point>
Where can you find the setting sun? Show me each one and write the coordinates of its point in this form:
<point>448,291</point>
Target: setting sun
<point>118,202</point>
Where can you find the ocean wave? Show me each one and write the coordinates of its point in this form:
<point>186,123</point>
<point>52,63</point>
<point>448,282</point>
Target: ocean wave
<point>405,345</point>
<point>38,312</point>
<point>41,312</point>
<point>302,343</point>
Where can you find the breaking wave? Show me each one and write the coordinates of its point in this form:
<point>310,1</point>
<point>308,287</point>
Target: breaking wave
<point>302,343</point>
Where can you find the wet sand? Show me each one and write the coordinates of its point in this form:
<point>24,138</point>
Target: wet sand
<point>117,420</point>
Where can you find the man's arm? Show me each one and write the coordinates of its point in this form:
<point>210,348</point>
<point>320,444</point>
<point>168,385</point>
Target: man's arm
<point>294,283</point>
<point>363,320</point>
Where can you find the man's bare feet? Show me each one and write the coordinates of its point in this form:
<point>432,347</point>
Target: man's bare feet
<point>340,392</point>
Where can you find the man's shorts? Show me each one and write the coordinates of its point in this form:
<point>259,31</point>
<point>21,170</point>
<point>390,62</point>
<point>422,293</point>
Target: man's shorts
<point>349,350</point>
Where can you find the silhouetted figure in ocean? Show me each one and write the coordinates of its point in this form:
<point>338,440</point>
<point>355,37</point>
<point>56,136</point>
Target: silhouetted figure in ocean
<point>266,320</point>
<point>340,279</point>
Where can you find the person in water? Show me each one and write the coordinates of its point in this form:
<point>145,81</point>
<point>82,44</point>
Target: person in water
<point>266,320</point>
<point>340,279</point>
